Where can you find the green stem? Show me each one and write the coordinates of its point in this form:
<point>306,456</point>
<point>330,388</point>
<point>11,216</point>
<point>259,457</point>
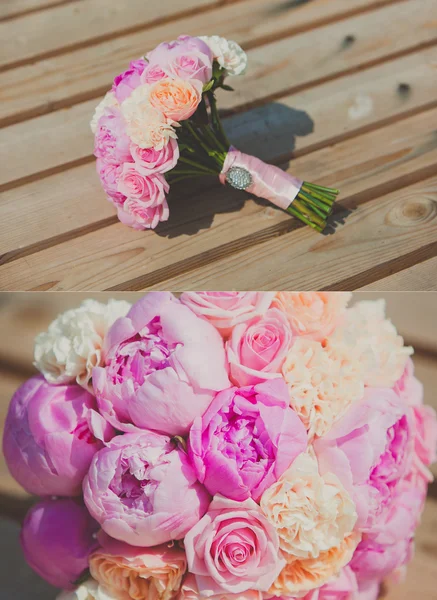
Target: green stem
<point>201,142</point>
<point>217,121</point>
<point>199,166</point>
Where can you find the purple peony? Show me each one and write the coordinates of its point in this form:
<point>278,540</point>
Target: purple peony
<point>246,440</point>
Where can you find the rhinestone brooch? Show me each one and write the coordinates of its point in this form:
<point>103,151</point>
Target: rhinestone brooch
<point>239,178</point>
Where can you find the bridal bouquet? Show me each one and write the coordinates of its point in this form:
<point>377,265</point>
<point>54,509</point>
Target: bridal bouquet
<point>160,124</point>
<point>224,446</point>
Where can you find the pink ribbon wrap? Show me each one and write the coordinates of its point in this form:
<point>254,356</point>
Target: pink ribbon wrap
<point>268,182</point>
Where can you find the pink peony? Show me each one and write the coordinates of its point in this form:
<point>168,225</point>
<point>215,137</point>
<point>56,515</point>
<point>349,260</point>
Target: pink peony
<point>343,587</point>
<point>370,450</point>
<point>111,142</point>
<point>233,549</point>
<point>50,437</point>
<point>149,161</point>
<point>258,348</point>
<point>132,487</point>
<point>140,215</point>
<point>57,538</point>
<point>109,176</point>
<point>408,387</point>
<point>226,309</point>
<point>163,367</point>
<point>185,58</point>
<point>128,80</point>
<point>245,440</point>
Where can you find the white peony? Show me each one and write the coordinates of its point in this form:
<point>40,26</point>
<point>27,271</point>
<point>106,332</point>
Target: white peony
<point>146,126</point>
<point>90,590</point>
<point>108,101</point>
<point>375,342</point>
<point>73,344</point>
<point>227,53</point>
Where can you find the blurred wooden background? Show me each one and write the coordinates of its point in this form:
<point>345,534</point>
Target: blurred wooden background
<point>340,92</point>
<point>23,315</point>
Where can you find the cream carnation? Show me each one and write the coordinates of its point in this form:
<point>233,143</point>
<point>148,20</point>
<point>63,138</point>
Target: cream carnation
<point>303,575</point>
<point>375,342</point>
<point>73,344</point>
<point>108,101</point>
<point>312,314</point>
<point>323,380</point>
<point>90,590</point>
<point>227,53</point>
<point>311,513</point>
<point>146,126</point>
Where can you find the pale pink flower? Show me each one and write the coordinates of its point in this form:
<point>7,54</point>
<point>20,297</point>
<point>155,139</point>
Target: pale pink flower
<point>149,161</point>
<point>147,204</point>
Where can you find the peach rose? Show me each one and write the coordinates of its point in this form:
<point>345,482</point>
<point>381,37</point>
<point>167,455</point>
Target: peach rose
<point>132,573</point>
<point>304,575</point>
<point>190,591</point>
<point>177,99</point>
<point>312,314</point>
<point>311,513</point>
<point>323,380</point>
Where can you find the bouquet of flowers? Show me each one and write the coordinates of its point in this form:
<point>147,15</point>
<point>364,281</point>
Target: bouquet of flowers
<point>160,124</point>
<point>225,446</point>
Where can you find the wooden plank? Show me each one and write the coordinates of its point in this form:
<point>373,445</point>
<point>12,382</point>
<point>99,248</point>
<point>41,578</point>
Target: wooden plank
<point>76,24</point>
<point>300,122</point>
<point>419,327</point>
<point>364,168</point>
<point>66,137</point>
<point>10,9</point>
<point>419,277</point>
<point>67,78</point>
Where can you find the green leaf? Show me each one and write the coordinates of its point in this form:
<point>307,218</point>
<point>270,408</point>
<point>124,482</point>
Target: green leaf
<point>226,87</point>
<point>208,86</point>
<point>82,578</point>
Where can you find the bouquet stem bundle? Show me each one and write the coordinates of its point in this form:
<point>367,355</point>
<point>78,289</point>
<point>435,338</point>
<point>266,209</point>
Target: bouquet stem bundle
<point>204,147</point>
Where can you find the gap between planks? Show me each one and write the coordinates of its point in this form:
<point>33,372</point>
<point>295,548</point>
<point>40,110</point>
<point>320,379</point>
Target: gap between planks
<point>33,8</point>
<point>217,14</point>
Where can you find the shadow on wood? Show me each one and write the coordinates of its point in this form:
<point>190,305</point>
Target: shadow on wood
<point>275,124</point>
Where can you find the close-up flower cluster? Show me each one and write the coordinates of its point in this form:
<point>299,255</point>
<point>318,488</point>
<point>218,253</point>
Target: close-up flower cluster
<point>224,445</point>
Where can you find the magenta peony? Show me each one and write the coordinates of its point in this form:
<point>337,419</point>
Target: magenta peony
<point>163,367</point>
<point>233,549</point>
<point>127,81</point>
<point>57,538</point>
<point>143,490</point>
<point>246,440</point>
<point>50,437</point>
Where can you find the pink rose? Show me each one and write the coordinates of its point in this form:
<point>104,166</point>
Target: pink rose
<point>143,490</point>
<point>163,367</point>
<point>111,143</point>
<point>152,74</point>
<point>226,309</point>
<point>128,80</point>
<point>246,439</point>
<point>109,176</point>
<point>185,58</point>
<point>190,591</point>
<point>258,348</point>
<point>140,215</point>
<point>233,549</point>
<point>370,450</point>
<point>57,538</point>
<point>50,437</point>
<point>149,161</point>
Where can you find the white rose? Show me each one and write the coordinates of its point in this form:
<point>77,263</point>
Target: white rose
<point>146,126</point>
<point>227,53</point>
<point>90,590</point>
<point>73,344</point>
<point>108,101</point>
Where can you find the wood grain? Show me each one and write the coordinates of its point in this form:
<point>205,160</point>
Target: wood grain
<point>11,9</point>
<point>71,77</point>
<point>70,25</point>
<point>364,168</point>
<point>422,276</point>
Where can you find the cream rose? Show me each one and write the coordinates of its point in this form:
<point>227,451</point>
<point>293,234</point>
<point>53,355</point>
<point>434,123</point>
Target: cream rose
<point>73,344</point>
<point>177,99</point>
<point>90,590</point>
<point>135,573</point>
<point>323,380</point>
<point>146,126</point>
<point>375,342</point>
<point>312,314</point>
<point>303,575</point>
<point>227,53</point>
<point>108,101</point>
<point>311,513</point>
